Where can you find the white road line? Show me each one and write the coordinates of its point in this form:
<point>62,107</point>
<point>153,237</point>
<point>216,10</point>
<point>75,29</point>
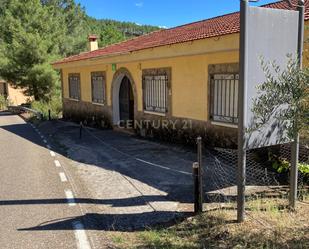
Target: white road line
<point>42,136</point>
<point>70,198</point>
<point>57,163</point>
<point>48,147</point>
<point>52,153</point>
<point>162,167</point>
<point>45,142</point>
<point>63,177</point>
<point>80,235</point>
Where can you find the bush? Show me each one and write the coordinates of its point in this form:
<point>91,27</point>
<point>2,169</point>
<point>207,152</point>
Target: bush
<point>54,105</point>
<point>282,166</point>
<point>3,102</point>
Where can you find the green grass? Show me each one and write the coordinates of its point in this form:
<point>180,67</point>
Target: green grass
<point>118,239</point>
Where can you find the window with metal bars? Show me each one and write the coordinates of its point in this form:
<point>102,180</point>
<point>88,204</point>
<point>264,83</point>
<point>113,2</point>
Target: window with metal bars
<point>155,92</point>
<point>224,98</point>
<point>98,87</point>
<point>74,86</point>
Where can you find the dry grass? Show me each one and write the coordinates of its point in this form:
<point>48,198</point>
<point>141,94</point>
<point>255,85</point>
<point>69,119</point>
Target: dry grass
<point>268,225</point>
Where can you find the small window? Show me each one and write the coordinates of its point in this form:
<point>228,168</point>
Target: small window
<point>224,98</point>
<point>155,85</point>
<point>74,86</point>
<point>98,87</point>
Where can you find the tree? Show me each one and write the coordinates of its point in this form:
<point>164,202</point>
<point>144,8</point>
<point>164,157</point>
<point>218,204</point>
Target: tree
<point>284,96</point>
<point>3,6</point>
<point>73,25</point>
<point>110,35</point>
<point>33,34</point>
<point>27,47</point>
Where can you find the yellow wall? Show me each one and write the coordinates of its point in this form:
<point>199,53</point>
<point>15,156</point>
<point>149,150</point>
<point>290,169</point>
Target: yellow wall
<point>188,61</point>
<point>15,96</point>
<point>189,72</point>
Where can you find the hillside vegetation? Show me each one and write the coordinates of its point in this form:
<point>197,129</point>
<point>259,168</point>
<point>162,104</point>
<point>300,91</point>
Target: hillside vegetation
<point>111,31</point>
<point>35,33</point>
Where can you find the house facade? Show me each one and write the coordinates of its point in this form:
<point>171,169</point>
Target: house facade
<point>174,84</point>
<point>14,96</point>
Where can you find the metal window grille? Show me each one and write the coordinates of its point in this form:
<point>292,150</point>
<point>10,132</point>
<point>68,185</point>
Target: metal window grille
<point>74,87</point>
<point>98,88</point>
<point>155,93</point>
<point>224,98</point>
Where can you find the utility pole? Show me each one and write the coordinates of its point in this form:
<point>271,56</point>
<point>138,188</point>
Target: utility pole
<point>295,144</point>
<point>242,104</point>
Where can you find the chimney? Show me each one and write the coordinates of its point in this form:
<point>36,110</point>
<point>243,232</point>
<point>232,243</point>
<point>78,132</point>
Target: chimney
<point>93,42</point>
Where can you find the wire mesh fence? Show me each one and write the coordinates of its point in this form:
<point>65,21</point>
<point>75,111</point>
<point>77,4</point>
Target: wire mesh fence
<point>267,173</point>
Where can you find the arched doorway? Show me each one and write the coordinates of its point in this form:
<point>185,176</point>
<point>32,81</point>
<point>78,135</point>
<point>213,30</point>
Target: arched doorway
<point>126,101</point>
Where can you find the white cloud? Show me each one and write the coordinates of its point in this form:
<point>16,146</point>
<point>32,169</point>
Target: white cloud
<point>139,5</point>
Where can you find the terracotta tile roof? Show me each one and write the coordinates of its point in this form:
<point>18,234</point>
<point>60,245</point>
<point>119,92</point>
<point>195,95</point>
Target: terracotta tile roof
<point>217,26</point>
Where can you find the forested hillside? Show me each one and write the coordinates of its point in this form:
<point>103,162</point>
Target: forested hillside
<point>111,31</point>
<point>35,33</point>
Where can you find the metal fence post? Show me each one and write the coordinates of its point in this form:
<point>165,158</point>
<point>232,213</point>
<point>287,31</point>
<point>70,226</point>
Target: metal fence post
<point>49,117</point>
<point>80,129</point>
<point>200,175</point>
<point>195,170</point>
<point>242,104</point>
<point>295,144</point>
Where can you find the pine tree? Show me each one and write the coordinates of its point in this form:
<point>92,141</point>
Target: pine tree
<point>27,47</point>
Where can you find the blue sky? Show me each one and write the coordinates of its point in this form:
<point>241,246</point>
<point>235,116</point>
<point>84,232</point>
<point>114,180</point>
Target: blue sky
<point>169,13</point>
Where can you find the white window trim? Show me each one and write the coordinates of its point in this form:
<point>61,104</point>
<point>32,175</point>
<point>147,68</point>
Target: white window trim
<point>155,113</point>
<point>96,103</point>
<point>224,124</point>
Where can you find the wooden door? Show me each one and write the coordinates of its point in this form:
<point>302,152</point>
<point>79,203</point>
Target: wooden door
<point>126,100</point>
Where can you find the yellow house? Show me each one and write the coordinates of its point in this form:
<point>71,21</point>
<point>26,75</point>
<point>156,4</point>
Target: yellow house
<point>176,83</point>
<point>14,96</point>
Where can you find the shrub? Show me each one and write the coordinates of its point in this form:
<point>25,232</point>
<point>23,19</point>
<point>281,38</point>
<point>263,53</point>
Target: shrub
<point>282,166</point>
<point>3,102</point>
<point>54,105</point>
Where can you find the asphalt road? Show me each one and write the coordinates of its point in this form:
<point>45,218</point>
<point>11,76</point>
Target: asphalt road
<point>35,192</point>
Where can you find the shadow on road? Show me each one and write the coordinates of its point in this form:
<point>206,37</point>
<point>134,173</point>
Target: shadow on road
<point>126,202</point>
<point>154,167</point>
<point>110,222</point>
